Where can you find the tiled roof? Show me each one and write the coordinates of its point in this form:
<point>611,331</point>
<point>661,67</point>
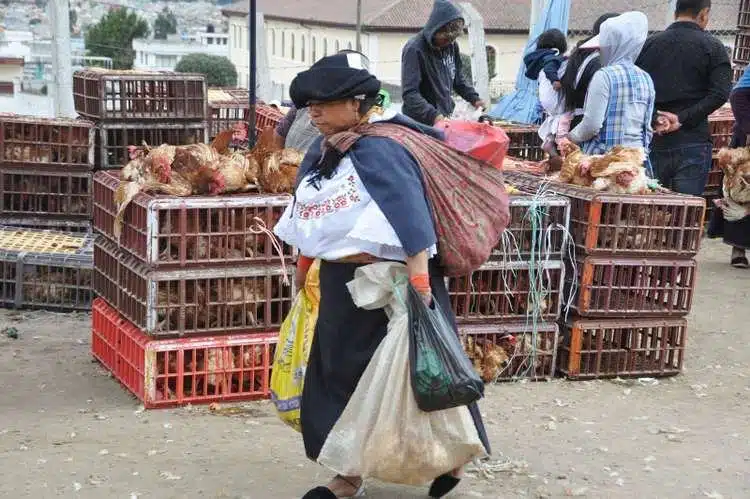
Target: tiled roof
<point>498,15</point>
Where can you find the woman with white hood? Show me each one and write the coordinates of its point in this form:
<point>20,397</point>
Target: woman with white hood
<point>620,100</point>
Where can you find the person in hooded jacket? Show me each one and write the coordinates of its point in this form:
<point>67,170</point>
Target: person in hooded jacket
<point>350,210</point>
<point>431,68</point>
<point>620,100</point>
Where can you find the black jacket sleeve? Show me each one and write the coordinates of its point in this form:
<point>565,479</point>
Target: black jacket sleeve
<point>414,105</point>
<point>718,91</point>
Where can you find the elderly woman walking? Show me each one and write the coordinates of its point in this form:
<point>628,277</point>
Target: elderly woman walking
<point>351,210</point>
<point>620,100</point>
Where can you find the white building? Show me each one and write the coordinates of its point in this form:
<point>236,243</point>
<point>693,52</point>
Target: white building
<point>298,32</point>
<point>163,55</point>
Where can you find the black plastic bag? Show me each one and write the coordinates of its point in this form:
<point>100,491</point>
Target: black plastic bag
<point>442,376</point>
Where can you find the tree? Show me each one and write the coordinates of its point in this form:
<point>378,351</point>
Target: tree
<point>219,71</point>
<point>113,37</point>
<point>165,24</point>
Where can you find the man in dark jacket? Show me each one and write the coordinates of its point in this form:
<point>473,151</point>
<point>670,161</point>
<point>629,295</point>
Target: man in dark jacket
<point>431,68</point>
<point>692,77</point>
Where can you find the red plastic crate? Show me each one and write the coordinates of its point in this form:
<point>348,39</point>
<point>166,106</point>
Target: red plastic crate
<point>658,225</point>
<point>44,192</point>
<point>720,125</point>
<point>172,231</point>
<point>113,139</point>
<point>500,291</point>
<point>714,181</point>
<point>742,47</point>
<point>58,143</point>
<point>101,94</point>
<point>625,287</point>
<point>591,349</point>
<point>195,301</point>
<point>169,373</point>
<point>536,226</point>
<point>266,116</point>
<point>524,352</point>
<point>525,142</point>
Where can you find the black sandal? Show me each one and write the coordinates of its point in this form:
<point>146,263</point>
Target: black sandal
<point>443,484</point>
<point>740,262</point>
<point>326,493</point>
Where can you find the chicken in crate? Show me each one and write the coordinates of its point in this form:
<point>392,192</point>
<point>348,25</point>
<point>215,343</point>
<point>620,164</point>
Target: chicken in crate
<point>45,192</point>
<point>174,372</point>
<point>511,351</point>
<point>605,224</point>
<point>513,290</point>
<point>45,269</point>
<point>59,143</point>
<point>193,301</point>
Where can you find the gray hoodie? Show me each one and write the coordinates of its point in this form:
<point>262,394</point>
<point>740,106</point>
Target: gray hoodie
<point>429,75</point>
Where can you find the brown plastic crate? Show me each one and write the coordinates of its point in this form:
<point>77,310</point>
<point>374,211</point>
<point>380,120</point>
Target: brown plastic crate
<point>45,278</point>
<point>226,108</point>
<point>76,226</point>
<point>193,302</point>
<point>660,225</point>
<point>627,286</point>
<point>720,125</point>
<point>536,226</point>
<point>743,19</point>
<point>113,139</point>
<point>266,116</point>
<point>40,191</point>
<point>501,290</point>
<point>525,142</point>
<point>57,143</point>
<point>139,95</point>
<point>524,351</point>
<point>714,181</point>
<point>179,232</point>
<point>742,47</point>
<point>591,349</point>
<point>737,72</point>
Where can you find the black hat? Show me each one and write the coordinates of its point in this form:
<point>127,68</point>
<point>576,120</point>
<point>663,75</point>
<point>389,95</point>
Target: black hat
<point>336,77</point>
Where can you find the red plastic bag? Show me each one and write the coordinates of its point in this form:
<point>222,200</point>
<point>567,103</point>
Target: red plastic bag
<point>479,140</point>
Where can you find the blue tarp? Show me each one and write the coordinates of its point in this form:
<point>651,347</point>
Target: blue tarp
<point>522,105</point>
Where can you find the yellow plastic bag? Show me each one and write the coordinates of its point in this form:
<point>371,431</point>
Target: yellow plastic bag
<point>293,350</point>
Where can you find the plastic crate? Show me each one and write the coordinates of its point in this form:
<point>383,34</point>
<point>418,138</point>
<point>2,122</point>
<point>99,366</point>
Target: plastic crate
<point>511,351</point>
<point>40,191</point>
<point>625,287</point>
<point>192,302</point>
<point>178,232</point>
<point>113,139</point>
<point>76,226</point>
<point>714,181</point>
<point>501,290</point>
<point>176,372</point>
<point>591,349</point>
<point>58,143</point>
<point>525,142</point>
<point>743,19</point>
<point>742,47</point>
<point>139,95</point>
<point>266,116</point>
<point>522,237</point>
<point>660,225</point>
<point>737,72</point>
<point>720,125</point>
<point>226,108</point>
<point>43,269</point>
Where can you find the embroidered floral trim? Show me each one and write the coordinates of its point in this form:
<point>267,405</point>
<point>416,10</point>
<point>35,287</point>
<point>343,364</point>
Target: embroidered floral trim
<point>347,199</point>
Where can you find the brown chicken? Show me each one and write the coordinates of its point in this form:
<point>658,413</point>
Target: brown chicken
<point>489,360</point>
<point>736,166</point>
<point>279,172</point>
<point>619,171</point>
<point>574,169</point>
<point>236,302</point>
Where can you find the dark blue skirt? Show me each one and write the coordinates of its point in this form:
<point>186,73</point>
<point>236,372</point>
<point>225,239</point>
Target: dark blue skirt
<point>346,338</point>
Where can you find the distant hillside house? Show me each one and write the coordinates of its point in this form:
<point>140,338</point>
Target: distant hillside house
<point>298,32</point>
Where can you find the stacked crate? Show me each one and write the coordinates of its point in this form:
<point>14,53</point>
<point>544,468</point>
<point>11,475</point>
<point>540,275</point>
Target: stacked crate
<point>630,283</point>
<point>525,143</point>
<point>45,269</point>
<point>742,39</point>
<point>721,124</point>
<point>508,309</point>
<point>131,108</point>
<point>192,294</point>
<point>226,108</point>
<point>45,172</point>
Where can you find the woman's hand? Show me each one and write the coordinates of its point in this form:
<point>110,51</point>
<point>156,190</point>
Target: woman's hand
<point>734,211</point>
<point>419,275</point>
<point>303,265</point>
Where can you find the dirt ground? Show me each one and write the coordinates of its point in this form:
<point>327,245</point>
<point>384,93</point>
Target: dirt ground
<point>68,430</point>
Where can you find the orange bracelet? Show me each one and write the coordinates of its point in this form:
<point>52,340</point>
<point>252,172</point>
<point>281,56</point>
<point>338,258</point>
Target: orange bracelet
<point>304,263</point>
<point>421,282</point>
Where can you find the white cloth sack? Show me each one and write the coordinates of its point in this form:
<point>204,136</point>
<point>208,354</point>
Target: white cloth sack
<point>382,434</point>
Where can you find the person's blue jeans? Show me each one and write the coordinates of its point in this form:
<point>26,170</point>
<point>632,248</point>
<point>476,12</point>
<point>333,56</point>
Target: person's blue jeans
<point>684,169</point>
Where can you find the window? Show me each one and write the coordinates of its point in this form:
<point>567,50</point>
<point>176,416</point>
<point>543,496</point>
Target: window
<point>294,54</point>
<point>314,49</point>
<point>325,47</point>
<point>338,46</point>
<point>302,48</point>
<point>273,42</point>
<point>6,88</point>
<point>283,44</point>
<point>210,41</point>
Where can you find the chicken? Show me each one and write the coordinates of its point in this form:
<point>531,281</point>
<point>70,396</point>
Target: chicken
<point>619,171</point>
<point>169,305</point>
<point>736,166</point>
<point>489,360</point>
<point>236,302</point>
<point>575,169</point>
<point>279,173</point>
<point>623,178</point>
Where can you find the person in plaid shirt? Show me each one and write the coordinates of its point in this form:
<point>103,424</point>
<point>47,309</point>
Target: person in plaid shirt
<point>620,100</point>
